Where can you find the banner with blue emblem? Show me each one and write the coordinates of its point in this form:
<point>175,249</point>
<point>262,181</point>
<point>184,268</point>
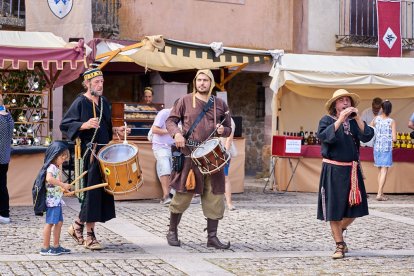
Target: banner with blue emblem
<point>65,18</point>
<point>60,8</point>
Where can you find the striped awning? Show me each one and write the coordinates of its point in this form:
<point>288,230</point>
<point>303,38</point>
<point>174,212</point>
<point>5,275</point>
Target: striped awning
<point>166,55</point>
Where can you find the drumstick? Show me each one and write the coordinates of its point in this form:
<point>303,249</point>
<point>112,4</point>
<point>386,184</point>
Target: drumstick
<point>79,177</point>
<point>86,189</point>
<point>76,179</point>
<point>125,133</point>
<point>225,113</point>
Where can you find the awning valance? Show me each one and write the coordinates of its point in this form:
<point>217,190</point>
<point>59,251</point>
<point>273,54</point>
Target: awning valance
<point>167,55</point>
<point>310,75</point>
<point>25,50</point>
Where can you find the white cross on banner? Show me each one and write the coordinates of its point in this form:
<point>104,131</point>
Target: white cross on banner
<point>389,28</point>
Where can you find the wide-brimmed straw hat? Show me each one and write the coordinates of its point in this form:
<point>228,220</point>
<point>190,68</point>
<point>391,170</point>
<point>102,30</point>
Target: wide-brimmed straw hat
<point>342,93</point>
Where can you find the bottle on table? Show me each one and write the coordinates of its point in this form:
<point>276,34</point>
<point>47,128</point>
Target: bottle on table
<point>302,135</point>
<point>306,137</point>
<point>311,138</point>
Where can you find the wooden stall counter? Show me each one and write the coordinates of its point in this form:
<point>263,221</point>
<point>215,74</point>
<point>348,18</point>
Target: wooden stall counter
<point>25,164</point>
<point>151,187</point>
<point>26,161</point>
<point>306,179</point>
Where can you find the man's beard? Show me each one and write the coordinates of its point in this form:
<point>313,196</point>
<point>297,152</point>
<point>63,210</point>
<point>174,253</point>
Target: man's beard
<point>96,93</point>
<point>202,92</point>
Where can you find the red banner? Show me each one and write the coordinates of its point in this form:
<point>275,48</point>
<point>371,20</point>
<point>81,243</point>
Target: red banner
<point>389,28</point>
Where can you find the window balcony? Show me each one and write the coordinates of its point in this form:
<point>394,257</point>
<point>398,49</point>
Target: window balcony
<point>358,24</point>
<point>104,16</point>
<point>12,14</point>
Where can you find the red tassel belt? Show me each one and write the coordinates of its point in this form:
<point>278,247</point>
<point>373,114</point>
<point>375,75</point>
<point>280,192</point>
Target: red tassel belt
<point>354,197</point>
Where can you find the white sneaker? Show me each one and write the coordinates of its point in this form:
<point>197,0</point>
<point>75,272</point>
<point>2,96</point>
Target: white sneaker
<point>4,220</point>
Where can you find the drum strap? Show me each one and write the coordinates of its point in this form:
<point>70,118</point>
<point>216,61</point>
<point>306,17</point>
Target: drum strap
<point>200,116</point>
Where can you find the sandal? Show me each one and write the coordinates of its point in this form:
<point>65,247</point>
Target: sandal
<point>76,232</point>
<point>339,252</point>
<point>231,207</point>
<point>382,198</point>
<point>345,245</point>
<point>91,241</point>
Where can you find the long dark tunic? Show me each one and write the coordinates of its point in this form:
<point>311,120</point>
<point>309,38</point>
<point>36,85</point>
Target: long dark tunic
<point>183,111</point>
<point>335,180</point>
<point>97,206</point>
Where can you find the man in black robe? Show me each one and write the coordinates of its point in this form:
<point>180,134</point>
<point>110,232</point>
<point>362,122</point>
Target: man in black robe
<point>89,118</point>
<point>342,195</point>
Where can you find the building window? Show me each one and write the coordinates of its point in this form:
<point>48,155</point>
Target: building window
<point>363,18</point>
<point>358,24</point>
<point>260,101</point>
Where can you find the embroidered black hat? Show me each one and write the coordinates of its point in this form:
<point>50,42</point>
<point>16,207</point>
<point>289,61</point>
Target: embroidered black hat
<point>92,73</point>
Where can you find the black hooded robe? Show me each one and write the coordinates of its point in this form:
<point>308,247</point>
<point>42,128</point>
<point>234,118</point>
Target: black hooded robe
<point>98,205</point>
<point>335,180</point>
<point>39,186</point>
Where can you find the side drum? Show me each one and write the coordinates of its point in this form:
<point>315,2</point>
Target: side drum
<point>120,167</point>
<point>210,156</point>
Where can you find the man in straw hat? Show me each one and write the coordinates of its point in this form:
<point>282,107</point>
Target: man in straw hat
<point>216,120</point>
<point>89,118</point>
<point>342,195</point>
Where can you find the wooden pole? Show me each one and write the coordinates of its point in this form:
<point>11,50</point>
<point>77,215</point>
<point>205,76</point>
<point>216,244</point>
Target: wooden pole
<point>112,54</point>
<point>94,110</point>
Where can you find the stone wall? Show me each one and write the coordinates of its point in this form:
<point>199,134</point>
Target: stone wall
<point>242,97</point>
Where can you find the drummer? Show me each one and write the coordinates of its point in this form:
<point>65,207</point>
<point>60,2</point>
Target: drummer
<point>211,187</point>
<point>89,118</point>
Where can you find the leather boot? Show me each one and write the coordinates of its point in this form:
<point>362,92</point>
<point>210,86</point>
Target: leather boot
<point>172,235</point>
<point>213,241</point>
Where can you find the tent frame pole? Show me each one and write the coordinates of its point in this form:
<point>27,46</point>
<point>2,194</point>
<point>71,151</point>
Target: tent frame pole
<point>51,83</point>
<point>114,53</point>
<point>224,80</point>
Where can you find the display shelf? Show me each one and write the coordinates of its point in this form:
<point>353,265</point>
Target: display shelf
<point>138,116</point>
<point>30,114</point>
<point>29,123</point>
<point>26,108</point>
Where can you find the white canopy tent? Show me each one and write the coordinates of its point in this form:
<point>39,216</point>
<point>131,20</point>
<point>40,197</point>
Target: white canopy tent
<point>303,83</point>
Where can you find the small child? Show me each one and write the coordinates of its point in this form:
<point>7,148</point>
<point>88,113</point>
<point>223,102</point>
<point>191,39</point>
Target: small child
<point>56,154</point>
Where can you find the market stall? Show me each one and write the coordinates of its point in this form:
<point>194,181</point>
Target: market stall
<point>302,85</point>
<point>167,55</point>
<point>31,65</point>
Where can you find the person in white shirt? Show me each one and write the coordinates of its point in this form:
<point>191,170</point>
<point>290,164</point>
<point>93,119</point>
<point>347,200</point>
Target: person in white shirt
<point>368,116</point>
<point>371,112</point>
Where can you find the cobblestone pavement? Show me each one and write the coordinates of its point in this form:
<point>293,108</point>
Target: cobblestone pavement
<point>270,234</point>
